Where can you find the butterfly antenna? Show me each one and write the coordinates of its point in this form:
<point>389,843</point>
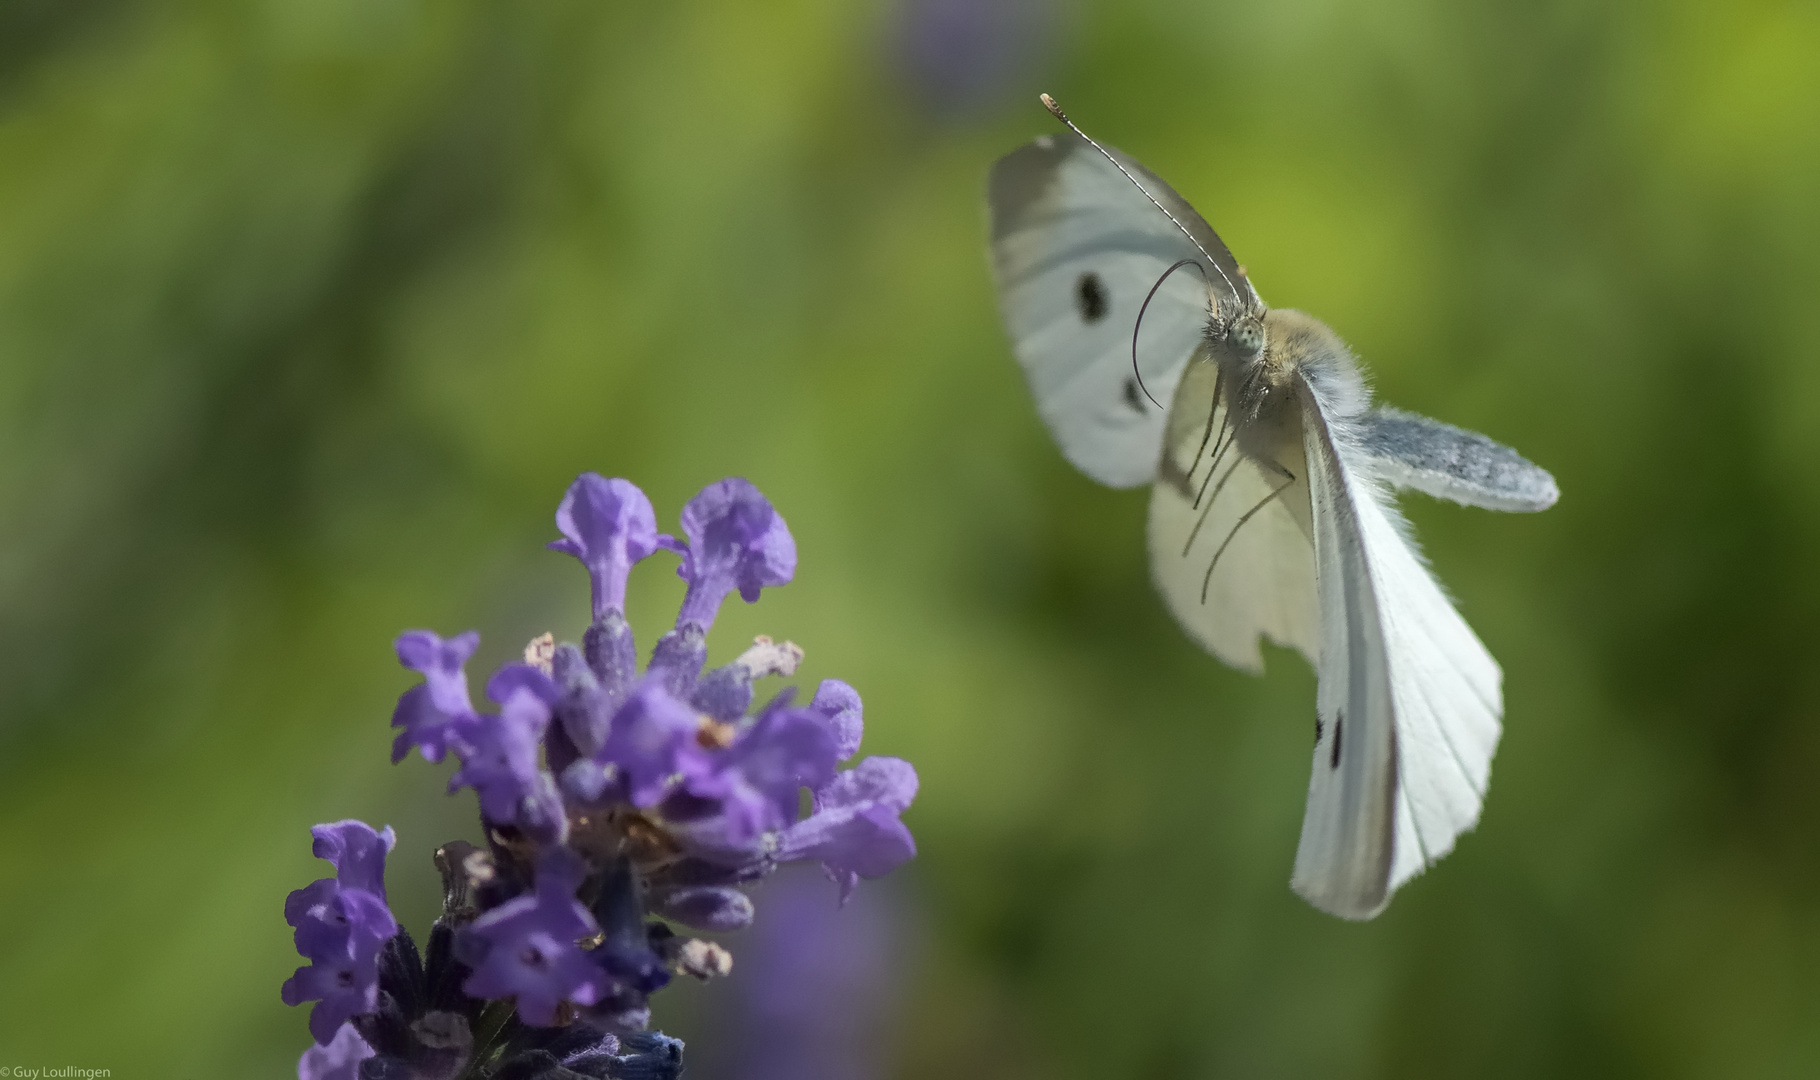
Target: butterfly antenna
<point>1140,322</point>
<point>1056,111</point>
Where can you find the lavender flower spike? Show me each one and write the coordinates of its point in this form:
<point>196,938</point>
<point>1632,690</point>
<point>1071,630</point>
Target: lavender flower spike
<point>735,541</point>
<point>609,526</point>
<point>676,796</point>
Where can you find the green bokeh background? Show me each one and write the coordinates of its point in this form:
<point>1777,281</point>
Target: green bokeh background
<point>310,309</point>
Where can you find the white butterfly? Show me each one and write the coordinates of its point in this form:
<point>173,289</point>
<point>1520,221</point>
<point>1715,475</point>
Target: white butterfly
<point>1270,509</point>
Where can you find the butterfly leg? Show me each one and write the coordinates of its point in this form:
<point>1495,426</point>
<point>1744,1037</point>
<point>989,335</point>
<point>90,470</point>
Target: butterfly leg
<point>1202,501</point>
<point>1288,478</point>
<point>1208,508</point>
<point>1213,411</point>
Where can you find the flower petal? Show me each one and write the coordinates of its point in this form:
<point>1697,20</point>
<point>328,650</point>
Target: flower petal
<point>868,840</point>
<point>736,540</point>
<point>888,781</point>
<point>840,704</point>
<point>440,661</point>
<point>526,948</point>
<point>609,526</point>
<point>358,852</point>
<point>647,740</point>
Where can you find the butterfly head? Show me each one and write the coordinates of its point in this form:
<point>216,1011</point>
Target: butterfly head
<point>1245,337</point>
<point>1249,350</point>
<point>1240,342</point>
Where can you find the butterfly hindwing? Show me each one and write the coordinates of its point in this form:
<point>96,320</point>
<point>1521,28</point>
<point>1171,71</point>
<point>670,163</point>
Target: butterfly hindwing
<point>1263,582</point>
<point>1343,863</point>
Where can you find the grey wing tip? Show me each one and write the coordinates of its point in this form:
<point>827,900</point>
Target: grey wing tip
<point>1546,492</point>
<point>1520,487</point>
<point>1020,182</point>
<point>1524,488</point>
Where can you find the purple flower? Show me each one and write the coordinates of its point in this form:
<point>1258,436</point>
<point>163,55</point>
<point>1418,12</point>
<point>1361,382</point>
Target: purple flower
<point>647,740</point>
<point>342,985</point>
<point>356,851</point>
<point>609,526</point>
<point>759,779</point>
<point>501,764</point>
<point>433,713</point>
<point>339,1059</point>
<point>855,830</point>
<point>735,541</point>
<point>328,917</point>
<point>341,922</point>
<point>526,948</point>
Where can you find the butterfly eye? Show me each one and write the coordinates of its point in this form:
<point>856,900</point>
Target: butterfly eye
<point>1247,336</point>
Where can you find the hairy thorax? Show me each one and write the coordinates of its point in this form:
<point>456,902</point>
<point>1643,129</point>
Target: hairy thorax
<point>1262,359</point>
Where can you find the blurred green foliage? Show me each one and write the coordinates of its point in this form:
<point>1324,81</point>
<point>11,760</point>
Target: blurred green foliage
<point>310,309</point>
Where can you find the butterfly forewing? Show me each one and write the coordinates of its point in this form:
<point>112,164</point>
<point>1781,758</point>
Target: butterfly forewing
<point>1409,700</point>
<point>1076,248</point>
<point>1343,864</point>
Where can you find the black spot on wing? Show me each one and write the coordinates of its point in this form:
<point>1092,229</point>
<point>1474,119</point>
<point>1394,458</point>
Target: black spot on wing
<point>1091,298</point>
<point>1333,759</point>
<point>1317,731</point>
<point>1134,397</point>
